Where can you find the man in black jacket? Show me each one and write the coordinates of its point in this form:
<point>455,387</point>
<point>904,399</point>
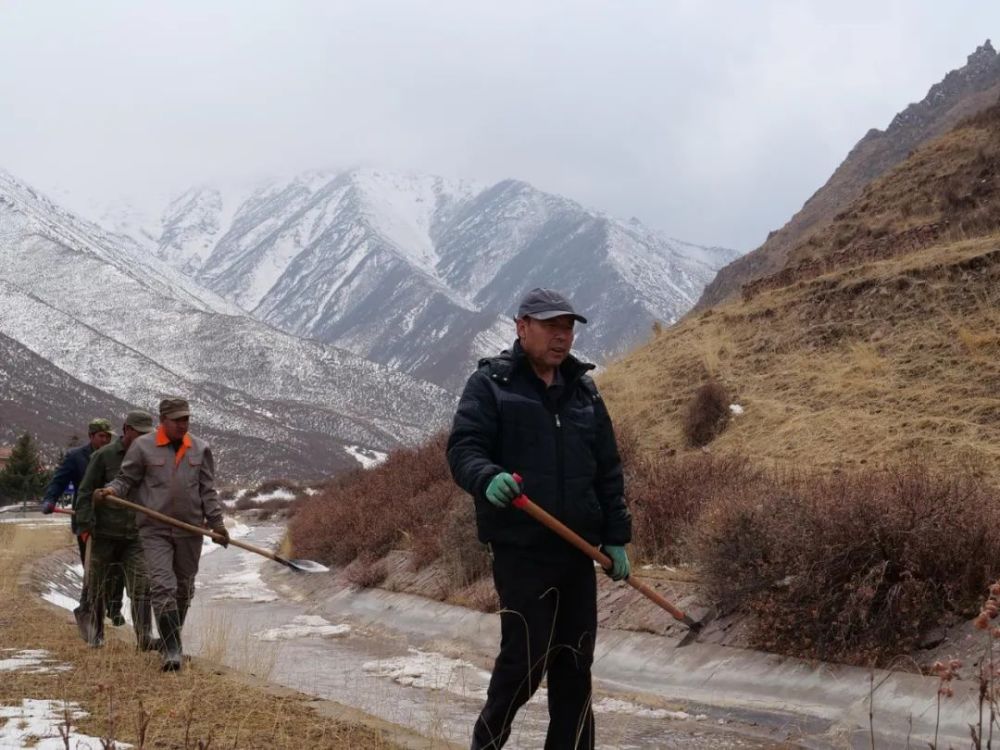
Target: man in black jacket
<point>535,412</point>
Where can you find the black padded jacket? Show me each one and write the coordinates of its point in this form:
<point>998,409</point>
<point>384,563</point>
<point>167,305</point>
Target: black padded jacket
<point>563,448</point>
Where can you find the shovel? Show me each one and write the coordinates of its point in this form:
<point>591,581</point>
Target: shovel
<point>304,566</point>
<point>88,622</point>
<point>522,502</point>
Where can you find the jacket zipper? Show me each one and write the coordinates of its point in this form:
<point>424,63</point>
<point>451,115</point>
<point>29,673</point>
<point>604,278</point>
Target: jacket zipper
<point>560,500</point>
<point>173,500</point>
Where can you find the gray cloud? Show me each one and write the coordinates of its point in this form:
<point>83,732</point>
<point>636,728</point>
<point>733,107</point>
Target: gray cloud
<point>712,122</point>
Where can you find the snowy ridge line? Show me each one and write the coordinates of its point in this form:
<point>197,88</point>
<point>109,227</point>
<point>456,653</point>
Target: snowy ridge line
<point>422,273</point>
<point>145,339</point>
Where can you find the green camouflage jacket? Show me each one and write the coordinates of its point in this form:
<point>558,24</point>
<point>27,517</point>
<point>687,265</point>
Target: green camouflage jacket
<point>106,520</point>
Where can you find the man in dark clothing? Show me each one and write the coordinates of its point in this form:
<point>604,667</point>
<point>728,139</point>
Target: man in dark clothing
<point>534,411</point>
<point>71,471</point>
<point>116,552</point>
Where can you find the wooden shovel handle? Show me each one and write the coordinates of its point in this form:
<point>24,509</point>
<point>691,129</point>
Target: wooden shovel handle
<point>191,527</point>
<point>554,524</point>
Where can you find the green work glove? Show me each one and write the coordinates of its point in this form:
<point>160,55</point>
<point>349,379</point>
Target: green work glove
<point>620,567</point>
<point>502,489</point>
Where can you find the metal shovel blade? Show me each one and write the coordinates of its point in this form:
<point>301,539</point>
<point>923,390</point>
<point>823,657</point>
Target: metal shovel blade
<point>305,566</point>
<point>86,617</point>
<point>85,623</point>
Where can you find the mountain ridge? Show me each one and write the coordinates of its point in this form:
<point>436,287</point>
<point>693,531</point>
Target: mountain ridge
<point>80,299</point>
<point>878,342</point>
<point>423,273</point>
<point>962,92</point>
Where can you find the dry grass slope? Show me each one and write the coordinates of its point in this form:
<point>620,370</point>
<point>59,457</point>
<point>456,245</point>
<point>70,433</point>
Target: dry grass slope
<point>891,350</point>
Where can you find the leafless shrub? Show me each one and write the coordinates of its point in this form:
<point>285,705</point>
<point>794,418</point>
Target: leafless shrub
<point>366,573</point>
<point>667,495</point>
<point>853,567</point>
<point>464,556</point>
<point>707,415</point>
<point>402,502</point>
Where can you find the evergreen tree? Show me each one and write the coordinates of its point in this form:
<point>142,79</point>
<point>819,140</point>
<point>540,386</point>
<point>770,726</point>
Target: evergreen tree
<point>23,478</point>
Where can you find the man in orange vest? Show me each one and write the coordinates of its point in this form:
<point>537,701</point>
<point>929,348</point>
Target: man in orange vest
<point>171,472</point>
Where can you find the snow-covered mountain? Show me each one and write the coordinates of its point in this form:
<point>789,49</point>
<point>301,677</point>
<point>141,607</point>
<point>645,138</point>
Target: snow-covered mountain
<point>115,319</point>
<point>423,274</point>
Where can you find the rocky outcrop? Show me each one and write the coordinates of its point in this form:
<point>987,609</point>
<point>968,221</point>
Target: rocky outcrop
<point>961,93</point>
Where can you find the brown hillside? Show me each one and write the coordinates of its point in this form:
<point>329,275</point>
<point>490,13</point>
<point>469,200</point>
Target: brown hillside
<point>880,338</point>
<point>963,92</point>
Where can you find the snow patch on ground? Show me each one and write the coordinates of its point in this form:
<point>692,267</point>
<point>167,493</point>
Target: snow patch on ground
<point>236,531</point>
<point>31,661</point>
<point>617,706</point>
<point>424,669</point>
<point>38,722</point>
<point>60,600</point>
<point>304,626</point>
<point>246,583</point>
<point>33,521</point>
<point>365,456</point>
<point>279,494</point>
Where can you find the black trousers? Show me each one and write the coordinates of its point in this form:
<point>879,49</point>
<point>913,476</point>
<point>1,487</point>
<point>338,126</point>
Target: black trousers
<point>114,586</point>
<point>548,625</point>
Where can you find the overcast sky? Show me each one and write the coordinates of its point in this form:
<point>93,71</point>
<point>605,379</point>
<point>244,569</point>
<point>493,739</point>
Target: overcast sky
<point>713,121</point>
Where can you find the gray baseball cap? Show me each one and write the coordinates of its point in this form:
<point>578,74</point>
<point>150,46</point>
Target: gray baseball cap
<point>174,407</point>
<point>140,421</point>
<point>543,304</point>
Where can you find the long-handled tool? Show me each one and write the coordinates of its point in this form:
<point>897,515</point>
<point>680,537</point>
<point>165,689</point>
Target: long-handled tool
<point>522,502</point>
<point>305,566</point>
<point>89,621</point>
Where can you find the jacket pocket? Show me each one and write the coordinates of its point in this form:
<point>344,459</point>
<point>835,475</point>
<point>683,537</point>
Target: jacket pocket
<point>157,472</point>
<point>194,470</point>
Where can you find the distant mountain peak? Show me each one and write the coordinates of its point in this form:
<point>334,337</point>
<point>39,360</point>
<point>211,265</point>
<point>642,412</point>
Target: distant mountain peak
<point>983,55</point>
<point>420,272</point>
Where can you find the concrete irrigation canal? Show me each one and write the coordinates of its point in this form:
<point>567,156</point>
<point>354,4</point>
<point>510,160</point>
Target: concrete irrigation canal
<point>424,665</point>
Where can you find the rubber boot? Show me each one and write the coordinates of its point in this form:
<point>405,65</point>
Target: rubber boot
<point>169,624</point>
<point>115,585</point>
<point>142,619</point>
<point>96,615</point>
<point>116,617</point>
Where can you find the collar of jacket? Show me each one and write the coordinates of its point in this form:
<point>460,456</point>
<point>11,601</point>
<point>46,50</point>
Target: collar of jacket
<point>162,440</point>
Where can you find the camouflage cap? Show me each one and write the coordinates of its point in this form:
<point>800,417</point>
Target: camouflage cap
<point>140,421</point>
<point>174,407</point>
<point>99,425</point>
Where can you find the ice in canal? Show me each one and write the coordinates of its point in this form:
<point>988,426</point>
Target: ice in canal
<point>432,685</point>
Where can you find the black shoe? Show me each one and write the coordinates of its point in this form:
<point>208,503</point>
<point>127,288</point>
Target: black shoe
<point>169,624</point>
<point>152,644</point>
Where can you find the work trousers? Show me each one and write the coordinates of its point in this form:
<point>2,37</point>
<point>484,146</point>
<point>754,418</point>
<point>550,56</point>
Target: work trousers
<point>116,562</point>
<point>114,583</point>
<point>548,625</point>
<point>171,564</point>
